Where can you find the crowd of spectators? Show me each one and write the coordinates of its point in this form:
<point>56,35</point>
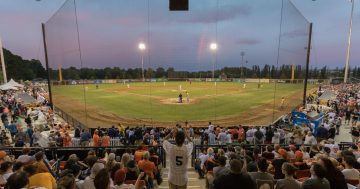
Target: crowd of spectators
<point>310,159</point>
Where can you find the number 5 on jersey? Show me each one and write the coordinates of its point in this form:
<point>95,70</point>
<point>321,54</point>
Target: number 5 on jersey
<point>179,160</point>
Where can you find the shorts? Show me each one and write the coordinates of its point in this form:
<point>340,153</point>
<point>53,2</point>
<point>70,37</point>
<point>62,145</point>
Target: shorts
<point>173,186</point>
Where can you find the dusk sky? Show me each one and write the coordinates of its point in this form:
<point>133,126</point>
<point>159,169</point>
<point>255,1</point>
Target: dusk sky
<point>110,31</point>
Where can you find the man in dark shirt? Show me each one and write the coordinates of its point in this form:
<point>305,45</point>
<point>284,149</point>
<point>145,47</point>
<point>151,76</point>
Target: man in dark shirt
<point>236,179</point>
<point>322,133</point>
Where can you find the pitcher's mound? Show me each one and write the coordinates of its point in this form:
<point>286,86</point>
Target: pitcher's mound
<point>176,101</point>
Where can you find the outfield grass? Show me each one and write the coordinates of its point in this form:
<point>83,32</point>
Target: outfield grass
<point>151,100</point>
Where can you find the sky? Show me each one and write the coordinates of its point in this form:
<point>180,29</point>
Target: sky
<point>109,31</point>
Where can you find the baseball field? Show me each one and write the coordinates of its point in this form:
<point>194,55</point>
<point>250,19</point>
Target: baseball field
<point>156,103</point>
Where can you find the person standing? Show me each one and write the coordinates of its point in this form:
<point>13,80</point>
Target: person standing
<point>179,156</point>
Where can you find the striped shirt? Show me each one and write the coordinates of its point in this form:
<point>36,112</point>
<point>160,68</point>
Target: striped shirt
<point>179,157</point>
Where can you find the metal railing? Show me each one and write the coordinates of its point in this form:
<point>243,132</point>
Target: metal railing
<point>54,153</point>
<point>69,119</point>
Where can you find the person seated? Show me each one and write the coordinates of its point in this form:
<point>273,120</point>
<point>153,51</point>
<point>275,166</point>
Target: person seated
<point>349,172</point>
<point>262,173</point>
<point>299,162</point>
<point>17,180</point>
<point>317,179</point>
<point>120,177</point>
<point>288,182</point>
<point>39,179</point>
<point>89,180</point>
<point>132,170</point>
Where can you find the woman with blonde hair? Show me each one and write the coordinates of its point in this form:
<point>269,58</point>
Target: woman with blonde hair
<point>125,158</point>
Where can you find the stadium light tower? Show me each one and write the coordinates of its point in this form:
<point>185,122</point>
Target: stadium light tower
<point>2,62</point>
<point>142,48</point>
<point>349,43</point>
<point>213,48</point>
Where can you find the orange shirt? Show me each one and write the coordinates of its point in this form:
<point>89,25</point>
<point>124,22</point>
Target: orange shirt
<point>105,141</point>
<point>148,167</point>
<point>45,180</point>
<point>41,167</point>
<point>138,155</point>
<point>66,141</point>
<point>96,140</point>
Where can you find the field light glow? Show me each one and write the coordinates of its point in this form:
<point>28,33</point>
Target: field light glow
<point>213,46</point>
<point>142,46</point>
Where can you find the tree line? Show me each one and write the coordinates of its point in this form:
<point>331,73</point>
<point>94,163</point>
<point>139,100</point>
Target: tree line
<point>21,69</point>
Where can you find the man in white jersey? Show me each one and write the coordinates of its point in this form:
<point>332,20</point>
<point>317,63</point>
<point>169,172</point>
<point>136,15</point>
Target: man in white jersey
<point>179,156</point>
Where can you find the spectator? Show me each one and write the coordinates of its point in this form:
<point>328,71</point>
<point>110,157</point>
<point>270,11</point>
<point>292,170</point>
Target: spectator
<point>132,170</point>
<point>102,179</point>
<point>262,173</point>
<point>25,158</point>
<point>288,182</point>
<point>85,137</point>
<point>17,180</point>
<point>39,179</point>
<point>6,170</point>
<point>221,169</point>
<point>322,133</point>
<point>39,163</point>
<point>258,136</point>
<point>96,138</point>
<point>179,157</point>
<point>236,176</point>
<point>333,175</point>
<point>349,172</point>
<point>125,158</point>
<point>317,179</point>
<point>147,167</point>
<point>67,140</point>
<point>139,153</point>
<point>276,137</point>
<point>120,177</point>
<point>89,180</point>
<point>310,139</point>
<point>277,163</point>
<point>105,140</point>
<point>66,182</point>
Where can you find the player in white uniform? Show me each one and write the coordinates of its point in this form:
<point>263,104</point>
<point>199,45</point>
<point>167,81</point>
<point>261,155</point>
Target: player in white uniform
<point>179,155</point>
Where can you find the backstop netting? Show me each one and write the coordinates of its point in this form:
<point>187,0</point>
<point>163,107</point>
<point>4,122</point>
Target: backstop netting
<point>134,62</point>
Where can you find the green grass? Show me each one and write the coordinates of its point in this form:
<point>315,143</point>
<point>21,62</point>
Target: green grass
<point>143,100</point>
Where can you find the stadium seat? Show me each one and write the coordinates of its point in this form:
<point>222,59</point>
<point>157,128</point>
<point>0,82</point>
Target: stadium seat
<point>353,182</point>
<point>302,173</point>
<point>264,184</point>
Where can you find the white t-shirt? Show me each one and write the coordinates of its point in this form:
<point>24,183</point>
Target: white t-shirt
<point>351,174</point>
<point>311,140</point>
<point>178,158</point>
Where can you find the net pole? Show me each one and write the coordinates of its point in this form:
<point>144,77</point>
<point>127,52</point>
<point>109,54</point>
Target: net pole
<point>307,64</point>
<point>47,63</point>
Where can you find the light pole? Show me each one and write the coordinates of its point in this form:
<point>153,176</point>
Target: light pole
<point>213,47</point>
<point>2,62</point>
<point>349,43</point>
<point>142,48</point>
<point>242,54</point>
